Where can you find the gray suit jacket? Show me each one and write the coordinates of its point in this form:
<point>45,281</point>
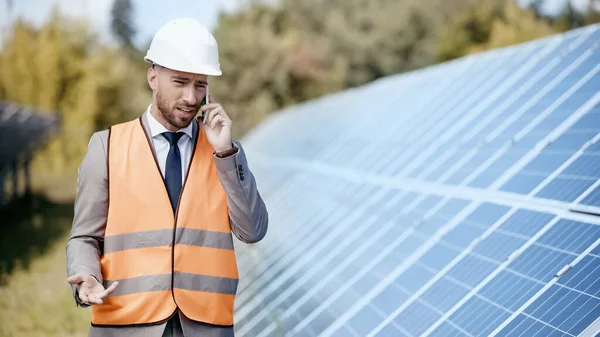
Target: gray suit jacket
<point>247,212</point>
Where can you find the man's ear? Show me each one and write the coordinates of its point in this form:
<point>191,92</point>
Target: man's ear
<point>152,78</point>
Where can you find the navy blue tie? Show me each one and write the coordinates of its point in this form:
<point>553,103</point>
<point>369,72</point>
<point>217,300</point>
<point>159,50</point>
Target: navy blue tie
<point>173,168</point>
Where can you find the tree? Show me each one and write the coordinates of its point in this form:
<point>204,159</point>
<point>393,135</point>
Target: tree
<point>489,25</point>
<point>571,18</point>
<point>276,56</point>
<point>62,67</point>
<point>122,22</point>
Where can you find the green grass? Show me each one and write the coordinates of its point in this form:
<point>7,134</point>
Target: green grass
<point>38,301</point>
<point>35,298</point>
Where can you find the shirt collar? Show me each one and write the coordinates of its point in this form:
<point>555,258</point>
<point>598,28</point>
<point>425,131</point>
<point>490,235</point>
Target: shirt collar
<point>156,128</point>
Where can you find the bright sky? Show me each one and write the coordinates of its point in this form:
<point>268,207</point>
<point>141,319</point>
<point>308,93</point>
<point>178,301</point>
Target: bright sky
<point>149,15</point>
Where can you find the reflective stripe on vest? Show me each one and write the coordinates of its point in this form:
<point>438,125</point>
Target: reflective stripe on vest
<point>164,261</point>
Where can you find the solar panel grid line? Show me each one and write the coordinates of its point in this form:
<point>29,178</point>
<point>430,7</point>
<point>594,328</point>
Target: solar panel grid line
<point>397,271</point>
<point>544,323</point>
<point>593,330</point>
<point>587,54</point>
<point>591,188</point>
<point>440,125</point>
<point>559,250</point>
<point>466,286</point>
<point>480,107</point>
<point>301,216</point>
<point>314,289</point>
<point>346,286</point>
<point>443,272</point>
<point>452,121</point>
<point>412,106</point>
<point>324,243</point>
<point>491,303</point>
<point>261,268</point>
<point>573,290</point>
<point>521,275</point>
<point>327,220</point>
<point>577,206</point>
<point>554,134</point>
<point>449,97</point>
<point>500,109</point>
<point>285,257</point>
<point>373,130</point>
<point>529,104</point>
<point>400,239</point>
<point>394,201</point>
<point>528,84</point>
<point>284,196</point>
<point>561,169</point>
<point>372,263</point>
<point>543,290</point>
<point>452,191</point>
<point>490,276</point>
<point>434,96</point>
<point>282,190</point>
<point>333,272</point>
<point>331,150</point>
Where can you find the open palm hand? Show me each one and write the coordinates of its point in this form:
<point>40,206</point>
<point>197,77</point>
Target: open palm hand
<point>90,290</point>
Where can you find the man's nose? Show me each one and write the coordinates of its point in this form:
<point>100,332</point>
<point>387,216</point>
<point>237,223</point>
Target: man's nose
<point>189,96</point>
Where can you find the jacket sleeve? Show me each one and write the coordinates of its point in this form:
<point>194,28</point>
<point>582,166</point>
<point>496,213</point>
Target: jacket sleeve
<point>84,246</point>
<point>247,211</point>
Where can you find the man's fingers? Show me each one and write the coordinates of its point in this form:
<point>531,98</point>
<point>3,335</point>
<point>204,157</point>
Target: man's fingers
<point>217,120</point>
<point>76,279</point>
<point>210,106</point>
<point>94,300</point>
<point>210,115</point>
<point>108,291</point>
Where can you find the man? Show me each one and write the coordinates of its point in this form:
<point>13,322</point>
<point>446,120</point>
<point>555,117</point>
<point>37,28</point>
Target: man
<point>151,248</point>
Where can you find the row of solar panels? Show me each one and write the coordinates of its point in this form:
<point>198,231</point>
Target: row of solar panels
<point>457,200</point>
<point>21,129</point>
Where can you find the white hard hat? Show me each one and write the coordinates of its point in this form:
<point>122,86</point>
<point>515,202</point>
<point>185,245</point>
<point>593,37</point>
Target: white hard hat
<point>186,45</point>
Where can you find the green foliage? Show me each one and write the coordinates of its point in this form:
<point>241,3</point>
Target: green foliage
<point>494,24</point>
<point>276,56</point>
<point>61,67</point>
<point>571,18</point>
<point>489,25</point>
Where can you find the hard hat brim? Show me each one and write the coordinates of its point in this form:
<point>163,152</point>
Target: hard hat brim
<point>201,69</point>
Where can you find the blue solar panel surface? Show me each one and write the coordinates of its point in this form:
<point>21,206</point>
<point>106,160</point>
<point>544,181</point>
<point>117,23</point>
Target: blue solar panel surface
<point>462,199</point>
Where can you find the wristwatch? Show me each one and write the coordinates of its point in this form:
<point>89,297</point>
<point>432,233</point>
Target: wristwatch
<point>227,153</point>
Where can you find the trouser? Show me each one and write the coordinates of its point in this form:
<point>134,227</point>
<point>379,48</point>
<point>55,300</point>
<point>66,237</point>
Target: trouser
<point>173,327</point>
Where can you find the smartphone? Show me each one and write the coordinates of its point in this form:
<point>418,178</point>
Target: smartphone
<point>204,102</point>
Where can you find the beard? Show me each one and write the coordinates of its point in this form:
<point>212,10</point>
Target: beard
<point>174,116</point>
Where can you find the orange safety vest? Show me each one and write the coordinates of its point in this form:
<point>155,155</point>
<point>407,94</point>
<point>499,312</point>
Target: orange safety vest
<point>164,261</point>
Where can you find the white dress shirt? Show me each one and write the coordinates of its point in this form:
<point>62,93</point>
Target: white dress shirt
<point>161,144</point>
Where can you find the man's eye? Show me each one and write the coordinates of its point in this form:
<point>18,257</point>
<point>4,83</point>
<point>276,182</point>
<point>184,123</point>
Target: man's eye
<point>178,82</point>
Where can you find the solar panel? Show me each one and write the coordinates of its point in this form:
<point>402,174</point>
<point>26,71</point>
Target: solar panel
<point>462,199</point>
<point>21,128</point>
